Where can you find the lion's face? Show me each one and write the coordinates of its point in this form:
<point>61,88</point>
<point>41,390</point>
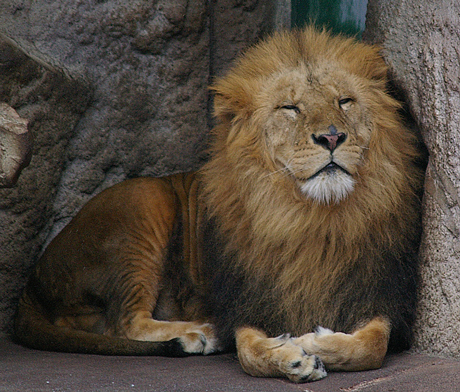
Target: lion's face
<point>317,129</point>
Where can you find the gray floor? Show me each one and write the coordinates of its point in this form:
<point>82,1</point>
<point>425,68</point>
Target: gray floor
<point>23,370</point>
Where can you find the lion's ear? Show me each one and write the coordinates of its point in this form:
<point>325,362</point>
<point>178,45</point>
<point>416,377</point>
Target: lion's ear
<point>233,98</point>
<point>378,69</point>
<point>370,63</point>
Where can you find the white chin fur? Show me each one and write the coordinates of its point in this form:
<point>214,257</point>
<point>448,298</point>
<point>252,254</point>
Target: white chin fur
<point>329,188</point>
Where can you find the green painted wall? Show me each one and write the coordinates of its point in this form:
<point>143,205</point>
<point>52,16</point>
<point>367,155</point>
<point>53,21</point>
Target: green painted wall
<point>341,16</point>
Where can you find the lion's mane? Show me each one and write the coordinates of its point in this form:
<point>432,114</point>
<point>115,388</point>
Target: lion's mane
<point>287,263</point>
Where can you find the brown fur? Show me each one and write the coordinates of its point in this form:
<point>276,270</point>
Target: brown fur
<point>319,241</point>
<point>248,244</point>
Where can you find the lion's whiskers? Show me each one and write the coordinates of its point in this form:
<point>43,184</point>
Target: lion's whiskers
<point>284,169</point>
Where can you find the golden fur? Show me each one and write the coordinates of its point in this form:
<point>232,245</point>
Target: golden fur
<point>273,211</point>
<point>306,214</point>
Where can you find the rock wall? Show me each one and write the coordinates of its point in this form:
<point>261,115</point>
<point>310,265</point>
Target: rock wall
<point>52,102</point>
<point>15,145</point>
<point>111,89</point>
<point>421,41</point>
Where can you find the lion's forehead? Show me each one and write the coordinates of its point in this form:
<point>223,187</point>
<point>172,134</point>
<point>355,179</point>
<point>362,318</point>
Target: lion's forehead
<point>303,86</point>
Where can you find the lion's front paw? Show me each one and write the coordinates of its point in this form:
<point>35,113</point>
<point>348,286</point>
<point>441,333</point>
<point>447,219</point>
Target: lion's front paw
<point>295,364</point>
<point>199,340</point>
<point>276,357</point>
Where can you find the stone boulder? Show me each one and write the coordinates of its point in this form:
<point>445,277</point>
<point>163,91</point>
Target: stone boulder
<point>15,145</point>
<point>51,102</point>
<point>421,42</point>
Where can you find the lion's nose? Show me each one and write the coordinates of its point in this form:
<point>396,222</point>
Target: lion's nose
<point>330,140</point>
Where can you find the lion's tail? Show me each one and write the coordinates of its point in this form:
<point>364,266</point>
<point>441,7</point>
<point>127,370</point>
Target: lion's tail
<point>33,329</point>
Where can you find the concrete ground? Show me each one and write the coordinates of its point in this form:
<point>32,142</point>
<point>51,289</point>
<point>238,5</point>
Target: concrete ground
<point>22,369</point>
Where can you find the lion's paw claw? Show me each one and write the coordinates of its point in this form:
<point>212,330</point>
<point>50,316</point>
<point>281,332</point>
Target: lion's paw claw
<point>297,365</point>
<point>309,368</point>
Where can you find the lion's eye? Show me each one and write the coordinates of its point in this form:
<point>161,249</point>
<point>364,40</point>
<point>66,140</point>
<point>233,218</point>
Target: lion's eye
<point>345,103</point>
<point>291,107</point>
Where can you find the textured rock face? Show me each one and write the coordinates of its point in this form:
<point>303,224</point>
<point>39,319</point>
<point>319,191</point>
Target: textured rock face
<point>111,89</point>
<point>421,42</point>
<point>15,145</point>
<point>51,102</point>
<point>148,65</point>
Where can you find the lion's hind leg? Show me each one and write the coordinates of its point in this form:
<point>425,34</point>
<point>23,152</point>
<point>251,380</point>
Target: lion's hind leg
<point>364,349</point>
<point>195,337</point>
<point>262,356</point>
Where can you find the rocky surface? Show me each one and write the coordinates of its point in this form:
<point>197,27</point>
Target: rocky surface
<point>15,145</point>
<point>421,42</point>
<point>50,101</point>
<point>148,66</point>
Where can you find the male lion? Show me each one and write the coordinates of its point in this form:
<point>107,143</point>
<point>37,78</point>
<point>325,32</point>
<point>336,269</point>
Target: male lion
<point>304,221</point>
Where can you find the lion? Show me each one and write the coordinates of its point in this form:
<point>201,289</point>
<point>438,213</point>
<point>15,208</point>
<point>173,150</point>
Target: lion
<point>295,244</point>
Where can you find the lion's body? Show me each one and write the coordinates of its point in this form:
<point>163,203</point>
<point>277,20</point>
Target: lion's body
<point>306,214</point>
